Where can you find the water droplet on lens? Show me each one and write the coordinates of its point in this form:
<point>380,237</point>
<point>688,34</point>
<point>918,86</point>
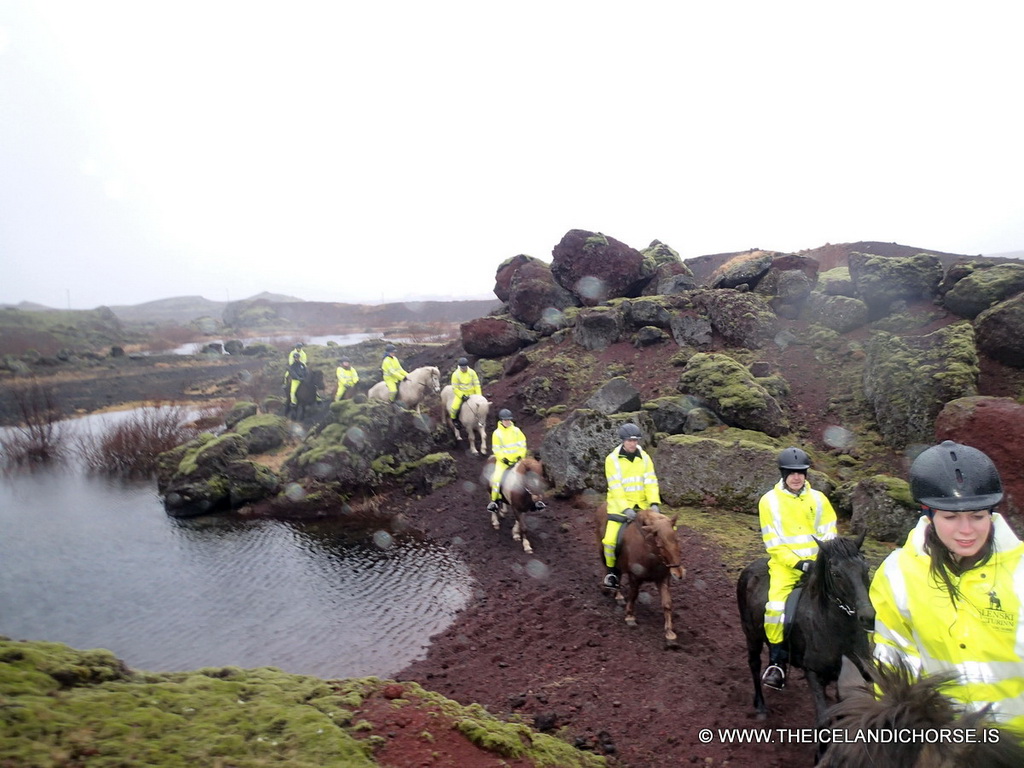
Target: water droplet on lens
<point>383,539</point>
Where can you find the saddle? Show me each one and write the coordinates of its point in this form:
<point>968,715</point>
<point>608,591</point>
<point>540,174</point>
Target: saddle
<point>619,518</point>
<point>791,602</point>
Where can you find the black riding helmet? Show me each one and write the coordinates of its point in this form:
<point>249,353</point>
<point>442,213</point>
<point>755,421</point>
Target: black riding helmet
<point>793,460</point>
<point>504,414</point>
<point>463,362</point>
<point>955,477</point>
<point>389,348</point>
<point>630,431</point>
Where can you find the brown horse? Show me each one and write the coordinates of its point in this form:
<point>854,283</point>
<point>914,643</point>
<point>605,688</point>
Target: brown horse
<point>916,707</point>
<point>521,487</point>
<point>649,551</point>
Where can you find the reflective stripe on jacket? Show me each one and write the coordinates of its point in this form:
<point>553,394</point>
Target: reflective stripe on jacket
<point>466,384</point>
<point>392,369</point>
<point>981,638</point>
<point>790,522</point>
<point>347,376</point>
<point>507,443</point>
<point>631,483</point>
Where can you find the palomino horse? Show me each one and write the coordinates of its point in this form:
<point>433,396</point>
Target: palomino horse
<point>306,395</point>
<point>832,618</point>
<point>472,416</point>
<point>413,390</point>
<point>917,706</point>
<point>521,487</point>
<point>649,551</point>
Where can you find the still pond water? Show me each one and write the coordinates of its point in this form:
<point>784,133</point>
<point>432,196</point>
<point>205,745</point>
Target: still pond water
<point>97,563</point>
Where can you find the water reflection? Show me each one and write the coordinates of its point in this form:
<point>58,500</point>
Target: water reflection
<point>94,562</point>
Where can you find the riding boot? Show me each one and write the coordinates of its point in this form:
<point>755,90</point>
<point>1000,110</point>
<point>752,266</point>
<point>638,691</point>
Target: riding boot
<point>611,577</point>
<point>775,675</point>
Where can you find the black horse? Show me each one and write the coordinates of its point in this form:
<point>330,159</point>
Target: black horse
<point>306,395</point>
<point>832,618</point>
<point>894,698</point>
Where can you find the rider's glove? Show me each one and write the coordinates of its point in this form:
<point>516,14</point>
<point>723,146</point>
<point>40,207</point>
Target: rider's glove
<point>804,565</point>
<point>508,462</point>
<point>655,508</point>
<point>630,514</point>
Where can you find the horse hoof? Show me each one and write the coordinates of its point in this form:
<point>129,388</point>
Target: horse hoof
<point>671,644</point>
<point>630,621</point>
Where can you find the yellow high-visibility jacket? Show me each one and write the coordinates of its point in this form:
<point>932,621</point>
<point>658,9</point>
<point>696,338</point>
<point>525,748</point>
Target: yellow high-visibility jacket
<point>631,483</point>
<point>466,384</point>
<point>297,355</point>
<point>392,369</point>
<point>347,376</point>
<point>789,523</point>
<point>981,638</point>
<point>507,443</point>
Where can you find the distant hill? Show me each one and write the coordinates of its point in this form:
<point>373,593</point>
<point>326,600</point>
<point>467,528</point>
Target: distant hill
<point>183,309</point>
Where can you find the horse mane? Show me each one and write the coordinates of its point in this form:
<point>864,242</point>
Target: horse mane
<point>917,705</point>
<point>839,548</point>
<point>655,523</point>
<point>530,464</point>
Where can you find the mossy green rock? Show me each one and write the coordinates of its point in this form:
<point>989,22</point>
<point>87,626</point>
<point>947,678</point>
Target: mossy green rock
<point>63,707</point>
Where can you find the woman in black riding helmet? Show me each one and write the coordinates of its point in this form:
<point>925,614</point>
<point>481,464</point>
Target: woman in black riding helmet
<point>951,600</point>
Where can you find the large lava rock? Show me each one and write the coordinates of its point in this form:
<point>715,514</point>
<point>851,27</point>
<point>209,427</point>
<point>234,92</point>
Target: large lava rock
<point>574,451</point>
<point>534,296</point>
<point>908,379</point>
<point>883,508</point>
<point>986,423</point>
<point>595,267</point>
<point>733,393</point>
<point>984,287</point>
<point>495,336</point>
<point>883,280</point>
<point>1000,331</point>
<point>730,471</point>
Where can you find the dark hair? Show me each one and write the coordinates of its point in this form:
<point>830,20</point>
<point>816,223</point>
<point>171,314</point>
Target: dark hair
<point>942,562</point>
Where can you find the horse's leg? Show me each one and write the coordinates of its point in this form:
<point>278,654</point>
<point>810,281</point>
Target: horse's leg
<point>818,692</point>
<point>495,520</point>
<point>519,532</point>
<point>666,609</point>
<point>470,437</point>
<point>632,593</point>
<point>754,647</point>
<point>481,430</point>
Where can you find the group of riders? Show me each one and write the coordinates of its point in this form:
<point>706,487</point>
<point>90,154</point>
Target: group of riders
<point>949,601</point>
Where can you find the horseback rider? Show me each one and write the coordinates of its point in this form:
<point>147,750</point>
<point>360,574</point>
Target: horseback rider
<point>394,373</point>
<point>347,377</point>
<point>508,445</point>
<point>465,382</point>
<point>632,485</point>
<point>792,514</point>
<point>951,600</point>
<point>295,371</point>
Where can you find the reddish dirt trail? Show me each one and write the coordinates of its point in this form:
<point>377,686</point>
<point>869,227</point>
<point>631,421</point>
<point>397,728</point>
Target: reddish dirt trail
<point>540,639</point>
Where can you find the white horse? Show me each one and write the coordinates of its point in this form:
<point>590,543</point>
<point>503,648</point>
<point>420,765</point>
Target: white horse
<point>472,416</point>
<point>413,390</point>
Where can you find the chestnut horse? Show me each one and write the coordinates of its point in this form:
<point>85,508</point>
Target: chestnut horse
<point>899,700</point>
<point>521,486</point>
<point>648,551</point>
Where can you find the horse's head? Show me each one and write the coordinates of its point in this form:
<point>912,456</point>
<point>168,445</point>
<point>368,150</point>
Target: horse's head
<point>317,378</point>
<point>435,379</point>
<point>533,475</point>
<point>841,574</point>
<point>901,699</point>
<point>658,530</point>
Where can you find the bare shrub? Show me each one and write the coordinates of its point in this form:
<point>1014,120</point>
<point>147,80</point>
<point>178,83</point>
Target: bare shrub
<point>130,447</point>
<point>40,437</point>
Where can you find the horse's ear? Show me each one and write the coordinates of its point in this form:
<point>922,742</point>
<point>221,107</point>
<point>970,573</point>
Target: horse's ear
<point>851,683</point>
<point>859,541</point>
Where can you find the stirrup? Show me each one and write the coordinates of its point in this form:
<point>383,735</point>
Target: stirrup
<point>775,682</point>
<point>492,507</point>
<point>539,505</point>
<point>611,581</point>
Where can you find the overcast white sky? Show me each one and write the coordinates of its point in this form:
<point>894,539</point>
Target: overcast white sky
<point>367,151</point>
